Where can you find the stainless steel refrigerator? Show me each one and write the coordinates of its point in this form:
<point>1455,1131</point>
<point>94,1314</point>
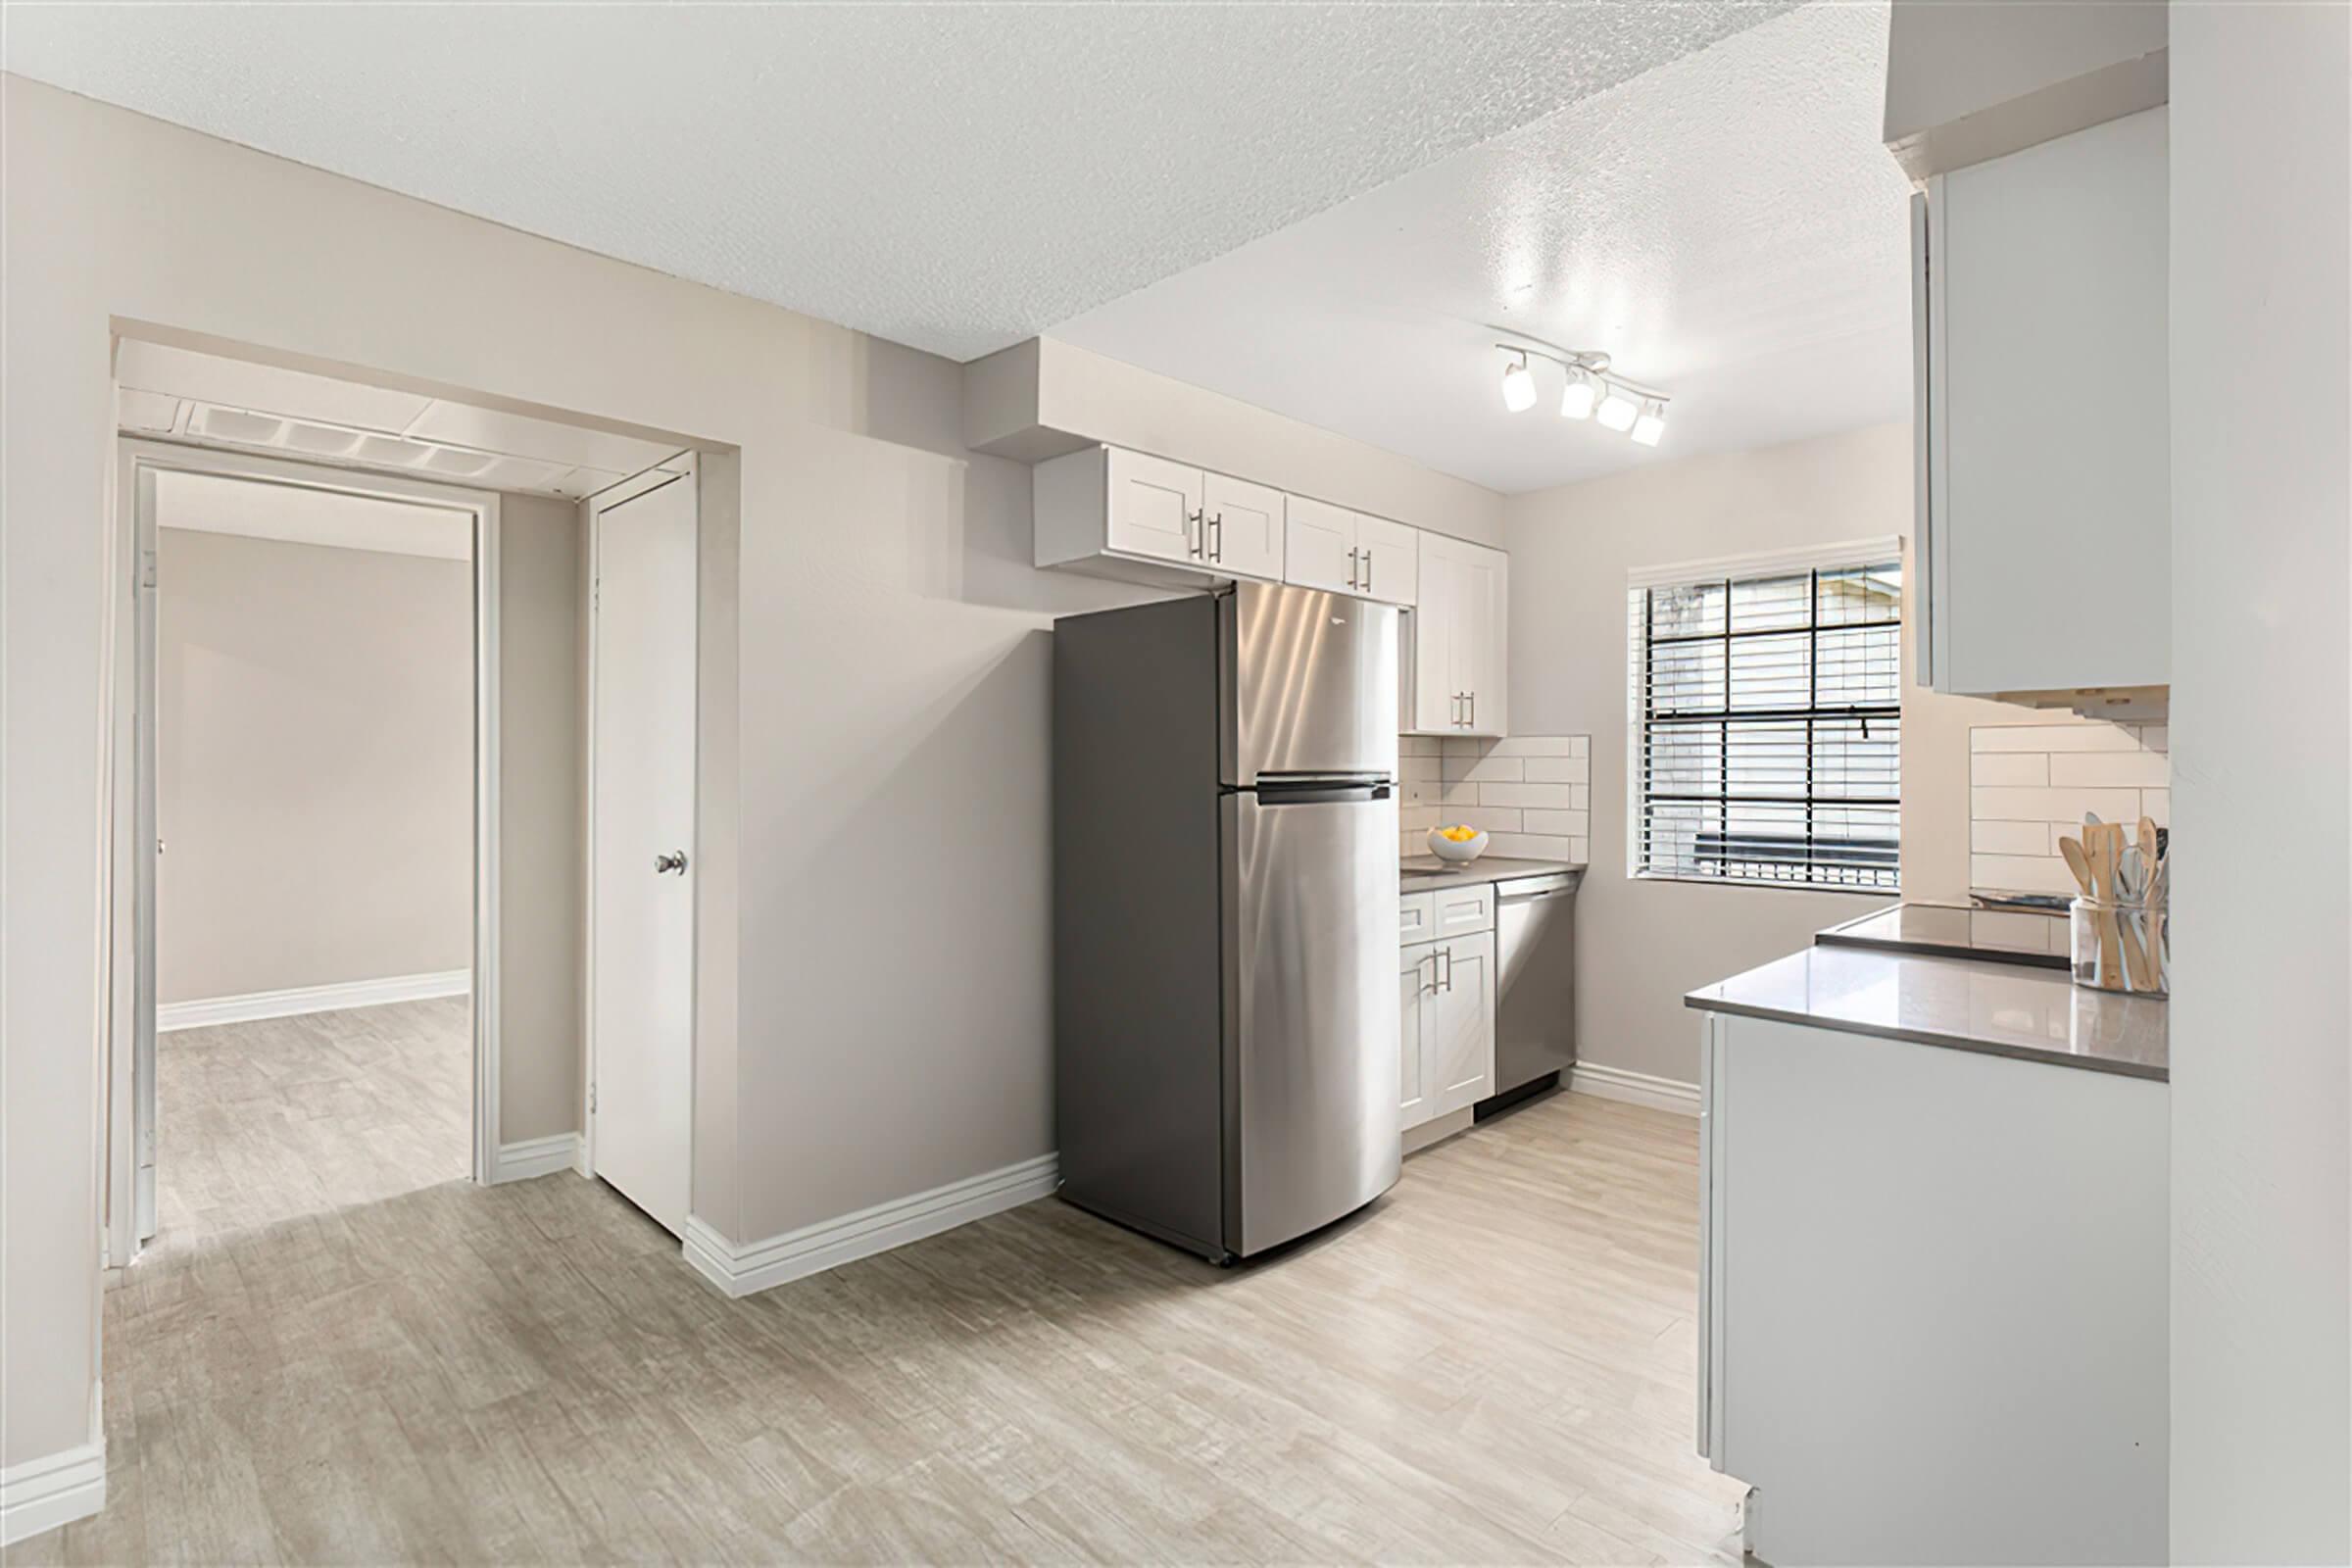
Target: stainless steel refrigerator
<point>1225,993</point>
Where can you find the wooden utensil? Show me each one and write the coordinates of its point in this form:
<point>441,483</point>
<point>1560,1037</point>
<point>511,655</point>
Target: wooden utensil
<point>2105,841</point>
<point>2077,862</point>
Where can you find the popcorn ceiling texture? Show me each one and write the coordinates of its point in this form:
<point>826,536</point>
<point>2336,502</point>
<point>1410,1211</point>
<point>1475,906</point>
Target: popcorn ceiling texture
<point>1727,226</point>
<point>955,177</point>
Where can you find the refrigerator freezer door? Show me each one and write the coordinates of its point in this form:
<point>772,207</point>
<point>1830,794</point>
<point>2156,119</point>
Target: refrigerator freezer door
<point>1311,685</point>
<point>1311,1104</point>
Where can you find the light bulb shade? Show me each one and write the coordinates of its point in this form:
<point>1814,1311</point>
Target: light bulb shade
<point>1651,424</point>
<point>1617,411</point>
<point>1518,387</point>
<point>1577,402</point>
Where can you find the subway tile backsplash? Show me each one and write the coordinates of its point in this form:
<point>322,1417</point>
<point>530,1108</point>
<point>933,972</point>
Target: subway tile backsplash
<point>2030,784</point>
<point>1532,793</point>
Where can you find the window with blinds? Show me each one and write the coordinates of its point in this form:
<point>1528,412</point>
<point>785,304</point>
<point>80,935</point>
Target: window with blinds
<point>1767,706</point>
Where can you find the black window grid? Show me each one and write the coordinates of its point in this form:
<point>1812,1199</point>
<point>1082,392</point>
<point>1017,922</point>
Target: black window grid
<point>1814,856</point>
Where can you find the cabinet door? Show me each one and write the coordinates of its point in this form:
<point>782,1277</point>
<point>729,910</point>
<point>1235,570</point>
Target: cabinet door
<point>1242,524</point>
<point>1458,1026</point>
<point>1413,983</point>
<point>2049,420</point>
<point>1320,550</point>
<point>1155,507</point>
<point>1437,707</point>
<point>1389,559</point>
<point>1481,597</point>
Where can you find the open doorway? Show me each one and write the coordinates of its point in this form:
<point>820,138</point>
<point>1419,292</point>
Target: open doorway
<point>313,772</point>
<point>337,1026</point>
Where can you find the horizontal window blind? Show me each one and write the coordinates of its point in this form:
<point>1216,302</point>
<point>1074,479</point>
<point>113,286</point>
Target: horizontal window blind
<point>1767,706</point>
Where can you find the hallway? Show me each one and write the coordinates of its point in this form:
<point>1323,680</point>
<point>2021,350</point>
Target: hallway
<point>265,1122</point>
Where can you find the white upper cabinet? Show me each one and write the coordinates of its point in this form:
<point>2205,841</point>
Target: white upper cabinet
<point>1345,551</point>
<point>1154,506</point>
<point>1141,518</point>
<point>1321,552</point>
<point>2045,497</point>
<point>1389,558</point>
<point>1240,528</point>
<point>1457,671</point>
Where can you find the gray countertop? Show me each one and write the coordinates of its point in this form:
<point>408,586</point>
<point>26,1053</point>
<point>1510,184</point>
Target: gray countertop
<point>2006,1010</point>
<point>1425,874</point>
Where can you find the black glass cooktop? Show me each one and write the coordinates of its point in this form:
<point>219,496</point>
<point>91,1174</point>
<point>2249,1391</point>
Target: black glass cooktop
<point>1955,931</point>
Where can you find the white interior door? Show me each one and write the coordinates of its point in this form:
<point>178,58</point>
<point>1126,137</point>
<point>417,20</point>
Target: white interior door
<point>642,980</point>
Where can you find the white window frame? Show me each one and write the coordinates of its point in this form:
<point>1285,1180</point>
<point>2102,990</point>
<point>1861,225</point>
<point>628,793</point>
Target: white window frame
<point>1844,555</point>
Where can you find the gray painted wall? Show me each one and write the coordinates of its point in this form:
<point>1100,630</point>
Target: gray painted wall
<point>1642,944</point>
<point>2262,511</point>
<point>315,764</point>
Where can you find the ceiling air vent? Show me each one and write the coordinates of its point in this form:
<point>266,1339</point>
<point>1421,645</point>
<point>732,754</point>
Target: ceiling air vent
<point>457,461</point>
<point>322,440</point>
<point>247,429</point>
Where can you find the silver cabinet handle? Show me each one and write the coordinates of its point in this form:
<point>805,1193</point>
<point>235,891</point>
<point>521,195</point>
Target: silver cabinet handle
<point>1216,537</point>
<point>1474,710</point>
<point>1351,582</point>
<point>1432,962</point>
<point>1447,953</point>
<point>674,861</point>
<point>1196,533</point>
<point>1367,572</point>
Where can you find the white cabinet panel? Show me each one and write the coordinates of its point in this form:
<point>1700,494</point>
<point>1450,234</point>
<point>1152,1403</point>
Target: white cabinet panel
<point>1417,918</point>
<point>1877,1332</point>
<point>1461,637</point>
<point>1464,910</point>
<point>1321,549</point>
<point>2047,498</point>
<point>1418,973</point>
<point>1154,506</point>
<point>1389,559</point>
<point>1446,1042</point>
<point>1242,526</point>
<point>1458,1025</point>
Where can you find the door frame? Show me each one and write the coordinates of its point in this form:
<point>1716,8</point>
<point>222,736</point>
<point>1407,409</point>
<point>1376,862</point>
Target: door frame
<point>684,468</point>
<point>130,921</point>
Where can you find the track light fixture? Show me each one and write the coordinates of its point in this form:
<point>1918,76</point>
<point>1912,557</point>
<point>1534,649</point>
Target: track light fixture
<point>1518,386</point>
<point>1592,390</point>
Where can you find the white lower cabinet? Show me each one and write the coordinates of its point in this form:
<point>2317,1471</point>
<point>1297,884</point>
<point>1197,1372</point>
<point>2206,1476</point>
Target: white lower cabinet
<point>1933,1317</point>
<point>1446,1034</point>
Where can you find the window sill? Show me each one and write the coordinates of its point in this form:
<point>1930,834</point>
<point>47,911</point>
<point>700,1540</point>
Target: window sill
<point>1645,875</point>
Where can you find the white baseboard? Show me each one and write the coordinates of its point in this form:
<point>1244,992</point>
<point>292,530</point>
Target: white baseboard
<point>1604,1082</point>
<point>312,999</point>
<point>741,1270</point>
<point>55,1489</point>
<point>536,1157</point>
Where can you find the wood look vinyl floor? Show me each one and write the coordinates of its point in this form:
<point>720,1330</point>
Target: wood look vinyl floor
<point>1492,1365</point>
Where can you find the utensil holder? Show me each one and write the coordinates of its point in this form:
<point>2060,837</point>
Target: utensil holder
<point>2119,946</point>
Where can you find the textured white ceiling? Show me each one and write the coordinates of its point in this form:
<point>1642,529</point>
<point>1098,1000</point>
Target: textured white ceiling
<point>952,177</point>
<point>1728,226</point>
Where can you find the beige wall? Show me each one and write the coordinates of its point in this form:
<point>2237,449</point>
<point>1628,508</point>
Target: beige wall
<point>913,622</point>
<point>1642,944</point>
<point>1043,397</point>
<point>314,764</point>
<point>540,770</point>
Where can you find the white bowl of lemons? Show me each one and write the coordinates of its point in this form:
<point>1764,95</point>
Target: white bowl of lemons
<point>1460,845</point>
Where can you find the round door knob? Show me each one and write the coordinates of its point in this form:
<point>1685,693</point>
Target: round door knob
<point>674,861</point>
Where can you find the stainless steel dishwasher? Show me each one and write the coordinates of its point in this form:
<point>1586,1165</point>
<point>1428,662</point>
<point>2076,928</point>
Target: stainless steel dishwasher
<point>1535,1004</point>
